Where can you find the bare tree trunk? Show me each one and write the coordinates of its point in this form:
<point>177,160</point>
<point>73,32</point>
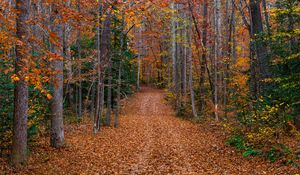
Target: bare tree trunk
<point>217,55</point>
<point>234,43</point>
<point>203,58</point>
<point>79,68</point>
<point>260,47</point>
<point>19,141</point>
<point>68,64</point>
<point>117,114</point>
<point>184,64</point>
<point>139,60</point>
<point>109,93</point>
<point>104,50</point>
<point>174,60</point>
<point>92,107</point>
<point>99,72</point>
<point>57,126</point>
<point>190,62</point>
<point>229,44</point>
<point>102,96</point>
<point>98,93</point>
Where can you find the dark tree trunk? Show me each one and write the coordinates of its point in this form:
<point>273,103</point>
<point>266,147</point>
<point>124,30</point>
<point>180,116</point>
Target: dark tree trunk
<point>260,48</point>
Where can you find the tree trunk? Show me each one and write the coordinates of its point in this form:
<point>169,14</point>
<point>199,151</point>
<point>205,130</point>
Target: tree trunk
<point>79,67</point>
<point>57,126</point>
<point>104,46</point>
<point>234,43</point>
<point>19,141</point>
<point>260,48</point>
<point>109,93</point>
<point>190,64</point>
<point>173,51</point>
<point>217,55</point>
<point>203,58</point>
<point>117,114</point>
<point>139,60</point>
<point>98,93</point>
<point>68,64</point>
<point>184,64</point>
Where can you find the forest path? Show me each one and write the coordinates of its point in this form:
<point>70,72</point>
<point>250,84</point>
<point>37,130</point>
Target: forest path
<point>150,140</point>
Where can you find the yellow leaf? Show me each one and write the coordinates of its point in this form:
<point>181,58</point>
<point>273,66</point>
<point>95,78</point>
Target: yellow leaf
<point>49,96</point>
<point>15,78</point>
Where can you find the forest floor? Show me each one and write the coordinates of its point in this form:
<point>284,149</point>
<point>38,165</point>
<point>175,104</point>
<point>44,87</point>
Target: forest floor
<point>150,140</point>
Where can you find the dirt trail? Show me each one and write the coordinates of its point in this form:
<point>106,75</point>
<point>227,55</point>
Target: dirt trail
<point>150,140</point>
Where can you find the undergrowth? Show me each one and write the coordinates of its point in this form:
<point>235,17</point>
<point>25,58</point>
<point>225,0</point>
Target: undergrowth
<point>275,153</point>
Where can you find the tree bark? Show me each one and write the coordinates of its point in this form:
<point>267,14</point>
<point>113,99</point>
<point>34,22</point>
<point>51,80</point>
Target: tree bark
<point>19,141</point>
<point>173,51</point>
<point>103,45</point>
<point>217,55</point>
<point>203,58</point>
<point>109,93</point>
<point>99,72</point>
<point>190,64</point>
<point>139,60</point>
<point>79,67</point>
<point>57,126</point>
<point>117,114</point>
<point>260,47</point>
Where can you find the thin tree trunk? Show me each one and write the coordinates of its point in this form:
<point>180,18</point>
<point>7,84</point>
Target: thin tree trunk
<point>203,58</point>
<point>217,56</point>
<point>109,93</point>
<point>79,67</point>
<point>174,60</point>
<point>190,62</point>
<point>92,107</point>
<point>68,64</point>
<point>234,43</point>
<point>184,64</point>
<point>97,109</point>
<point>139,60</point>
<point>117,114</point>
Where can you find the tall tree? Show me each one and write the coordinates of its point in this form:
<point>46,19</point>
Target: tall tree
<point>104,46</point>
<point>190,64</point>
<point>79,67</point>
<point>57,125</point>
<point>260,47</point>
<point>217,54</point>
<point>19,145</point>
<point>173,40</point>
<point>203,57</point>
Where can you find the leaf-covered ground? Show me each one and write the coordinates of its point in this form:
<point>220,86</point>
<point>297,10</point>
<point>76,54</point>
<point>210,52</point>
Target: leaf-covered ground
<point>150,140</point>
